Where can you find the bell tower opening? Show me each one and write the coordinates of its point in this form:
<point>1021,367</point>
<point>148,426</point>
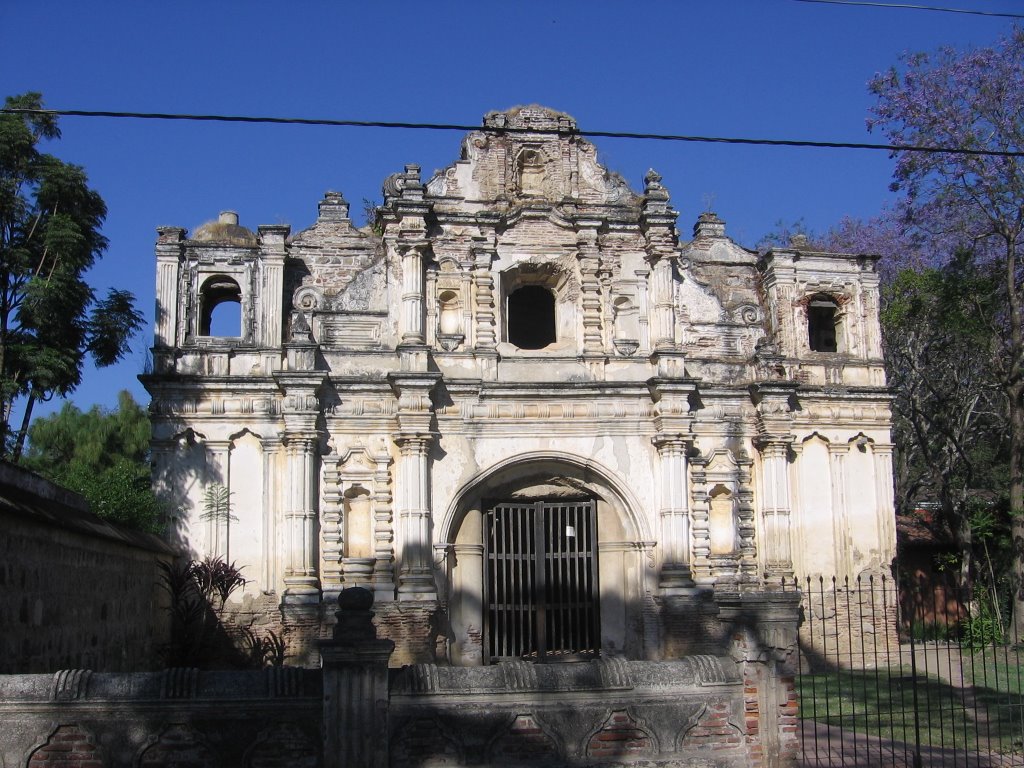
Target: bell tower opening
<point>531,317</point>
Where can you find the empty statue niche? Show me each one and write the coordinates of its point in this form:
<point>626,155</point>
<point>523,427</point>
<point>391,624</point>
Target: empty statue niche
<point>722,521</point>
<point>220,307</point>
<point>531,317</point>
<point>358,510</point>
<point>823,323</point>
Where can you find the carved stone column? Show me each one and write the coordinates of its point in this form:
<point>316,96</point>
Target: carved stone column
<point>302,448</point>
<point>774,401</point>
<point>673,420</point>
<point>658,221</point>
<point>412,328</point>
<point>674,512</point>
<point>412,486</point>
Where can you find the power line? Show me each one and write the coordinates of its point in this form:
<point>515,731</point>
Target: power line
<point>513,130</point>
<point>915,7</point>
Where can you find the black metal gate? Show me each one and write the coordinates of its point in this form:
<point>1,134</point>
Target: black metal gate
<point>540,588</point>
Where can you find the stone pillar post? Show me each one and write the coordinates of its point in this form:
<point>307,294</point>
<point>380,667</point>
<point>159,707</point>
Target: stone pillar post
<point>355,680</point>
<point>412,487</point>
<point>774,401</point>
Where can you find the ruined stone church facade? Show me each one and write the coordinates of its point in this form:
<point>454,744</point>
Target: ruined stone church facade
<point>519,408</point>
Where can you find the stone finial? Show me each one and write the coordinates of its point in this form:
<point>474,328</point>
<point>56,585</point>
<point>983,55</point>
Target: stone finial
<point>228,217</point>
<point>655,195</point>
<point>709,225</point>
<point>334,207</point>
<point>652,180</point>
<point>412,189</point>
<point>799,241</point>
<point>300,330</point>
<point>355,619</point>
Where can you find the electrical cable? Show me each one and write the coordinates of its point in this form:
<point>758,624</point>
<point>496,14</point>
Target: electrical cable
<point>513,130</point>
<point>909,6</point>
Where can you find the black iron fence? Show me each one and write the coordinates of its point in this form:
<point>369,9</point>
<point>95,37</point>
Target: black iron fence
<point>912,674</point>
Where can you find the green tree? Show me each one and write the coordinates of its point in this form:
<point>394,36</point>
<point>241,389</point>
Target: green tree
<point>50,318</point>
<point>972,100</point>
<point>101,454</point>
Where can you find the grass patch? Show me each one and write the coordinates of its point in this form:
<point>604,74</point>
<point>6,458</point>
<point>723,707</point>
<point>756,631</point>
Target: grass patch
<point>984,716</point>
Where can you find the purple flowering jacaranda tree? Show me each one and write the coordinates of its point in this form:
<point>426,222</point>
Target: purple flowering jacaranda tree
<point>971,100</point>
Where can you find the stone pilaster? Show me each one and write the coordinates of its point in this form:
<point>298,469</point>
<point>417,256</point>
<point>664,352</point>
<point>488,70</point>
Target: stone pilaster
<point>302,448</point>
<point>412,319</point>
<point>774,401</point>
<point>270,317</point>
<point>658,222</point>
<point>170,250</point>
<point>414,439</point>
<point>837,455</point>
<point>673,420</point>
<point>218,518</point>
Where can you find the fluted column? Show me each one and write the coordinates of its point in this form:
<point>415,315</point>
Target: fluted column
<point>673,420</point>
<point>415,576</point>
<point>674,512</point>
<point>412,487</point>
<point>300,575</point>
<point>412,328</point>
<point>302,455</point>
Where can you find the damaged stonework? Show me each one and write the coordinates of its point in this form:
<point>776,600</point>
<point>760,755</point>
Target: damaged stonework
<point>521,410</point>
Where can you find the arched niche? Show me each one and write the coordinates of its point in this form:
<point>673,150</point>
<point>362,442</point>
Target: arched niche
<point>623,549</point>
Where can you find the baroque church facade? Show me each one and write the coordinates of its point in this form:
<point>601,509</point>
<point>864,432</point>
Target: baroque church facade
<point>519,408</point>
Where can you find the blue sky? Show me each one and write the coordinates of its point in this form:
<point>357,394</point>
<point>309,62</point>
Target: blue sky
<point>753,68</point>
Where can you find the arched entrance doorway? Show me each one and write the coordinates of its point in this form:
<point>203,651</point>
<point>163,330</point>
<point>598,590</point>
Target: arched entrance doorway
<point>546,560</point>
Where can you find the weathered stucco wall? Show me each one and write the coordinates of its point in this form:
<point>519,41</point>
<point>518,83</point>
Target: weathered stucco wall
<point>75,591</point>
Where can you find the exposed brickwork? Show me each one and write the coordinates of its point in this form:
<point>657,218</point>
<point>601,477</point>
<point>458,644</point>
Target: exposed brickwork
<point>68,747</point>
<point>713,728</point>
<point>413,626</point>
<point>523,742</point>
<point>178,747</point>
<point>620,736</point>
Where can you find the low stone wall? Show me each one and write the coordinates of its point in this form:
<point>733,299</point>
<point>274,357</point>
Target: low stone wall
<point>81,719</point>
<point>687,712</point>
<point>75,590</point>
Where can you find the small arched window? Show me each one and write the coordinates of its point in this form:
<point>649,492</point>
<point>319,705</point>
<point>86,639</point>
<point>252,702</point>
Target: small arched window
<point>531,317</point>
<point>822,324</point>
<point>220,307</point>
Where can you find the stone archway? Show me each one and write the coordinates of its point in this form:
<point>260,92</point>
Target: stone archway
<point>624,560</point>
